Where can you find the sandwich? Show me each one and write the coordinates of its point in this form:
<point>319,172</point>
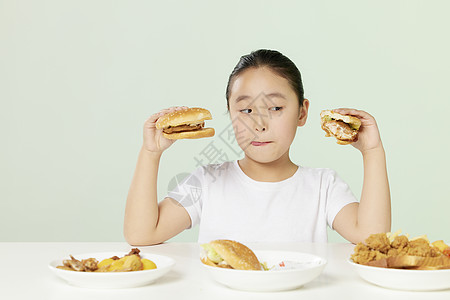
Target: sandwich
<point>343,127</point>
<point>229,254</point>
<point>185,124</point>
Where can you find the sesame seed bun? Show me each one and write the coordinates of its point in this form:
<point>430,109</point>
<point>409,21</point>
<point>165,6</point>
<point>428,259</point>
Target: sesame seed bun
<point>235,254</point>
<point>185,124</point>
<point>194,115</point>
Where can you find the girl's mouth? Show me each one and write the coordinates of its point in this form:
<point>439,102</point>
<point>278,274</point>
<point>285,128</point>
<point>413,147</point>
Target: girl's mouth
<point>254,143</point>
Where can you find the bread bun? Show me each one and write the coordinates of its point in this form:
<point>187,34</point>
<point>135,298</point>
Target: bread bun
<point>185,124</point>
<point>381,263</point>
<point>412,262</point>
<point>416,262</point>
<point>194,115</point>
<point>340,142</point>
<point>234,254</point>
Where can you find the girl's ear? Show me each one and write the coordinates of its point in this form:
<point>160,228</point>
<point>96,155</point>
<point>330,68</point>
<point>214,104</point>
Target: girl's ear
<point>303,113</point>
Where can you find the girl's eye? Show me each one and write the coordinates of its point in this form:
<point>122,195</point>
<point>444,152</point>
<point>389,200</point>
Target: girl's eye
<point>246,111</point>
<point>276,108</point>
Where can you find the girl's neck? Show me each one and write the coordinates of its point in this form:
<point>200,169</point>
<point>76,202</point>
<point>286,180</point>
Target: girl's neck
<point>275,171</point>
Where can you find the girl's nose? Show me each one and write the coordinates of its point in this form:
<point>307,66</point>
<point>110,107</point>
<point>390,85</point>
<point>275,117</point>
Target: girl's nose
<point>260,128</point>
<point>261,124</point>
<point>261,120</point>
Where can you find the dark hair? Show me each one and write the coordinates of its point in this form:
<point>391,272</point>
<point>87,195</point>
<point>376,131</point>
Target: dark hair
<point>274,60</point>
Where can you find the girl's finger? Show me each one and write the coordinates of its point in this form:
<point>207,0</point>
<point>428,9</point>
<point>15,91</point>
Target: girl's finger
<point>153,118</point>
<point>353,112</point>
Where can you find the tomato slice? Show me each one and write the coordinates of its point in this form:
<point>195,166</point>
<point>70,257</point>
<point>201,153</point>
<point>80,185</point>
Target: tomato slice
<point>447,251</point>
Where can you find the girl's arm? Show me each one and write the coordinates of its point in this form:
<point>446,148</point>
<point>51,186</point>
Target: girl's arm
<point>372,214</point>
<point>146,222</point>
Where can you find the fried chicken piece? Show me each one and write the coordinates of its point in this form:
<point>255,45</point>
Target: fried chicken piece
<point>421,247</point>
<point>363,254</point>
<point>400,242</point>
<point>379,242</point>
<point>393,252</point>
<point>400,246</point>
<point>401,253</point>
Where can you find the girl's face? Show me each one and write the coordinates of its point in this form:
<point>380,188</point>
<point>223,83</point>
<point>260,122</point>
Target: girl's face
<point>265,113</point>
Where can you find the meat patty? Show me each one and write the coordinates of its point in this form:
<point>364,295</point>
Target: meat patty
<point>182,128</point>
<point>341,130</point>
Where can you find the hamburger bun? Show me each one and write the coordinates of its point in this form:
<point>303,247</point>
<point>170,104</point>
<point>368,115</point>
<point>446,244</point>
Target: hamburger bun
<point>343,127</point>
<point>185,124</point>
<point>230,254</point>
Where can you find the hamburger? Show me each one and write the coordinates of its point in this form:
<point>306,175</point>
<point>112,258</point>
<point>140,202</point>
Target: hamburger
<point>343,127</point>
<point>185,124</point>
<point>229,254</point>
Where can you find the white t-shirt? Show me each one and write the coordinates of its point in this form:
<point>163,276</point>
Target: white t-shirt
<point>227,204</point>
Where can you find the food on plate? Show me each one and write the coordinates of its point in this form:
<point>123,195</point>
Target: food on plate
<point>148,264</point>
<point>229,254</point>
<point>447,251</point>
<point>443,247</point>
<point>185,124</point>
<point>126,263</point>
<point>130,262</point>
<point>344,128</point>
<point>85,265</point>
<point>392,250</point>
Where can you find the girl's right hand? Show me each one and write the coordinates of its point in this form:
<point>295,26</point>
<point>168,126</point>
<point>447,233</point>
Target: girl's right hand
<point>154,141</point>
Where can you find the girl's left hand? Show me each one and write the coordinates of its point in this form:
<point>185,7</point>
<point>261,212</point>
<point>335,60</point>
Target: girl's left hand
<point>369,135</point>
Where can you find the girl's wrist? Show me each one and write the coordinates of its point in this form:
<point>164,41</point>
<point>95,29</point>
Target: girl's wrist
<point>373,151</point>
<point>152,154</point>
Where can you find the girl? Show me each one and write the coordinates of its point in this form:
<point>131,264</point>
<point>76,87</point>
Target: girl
<point>264,196</point>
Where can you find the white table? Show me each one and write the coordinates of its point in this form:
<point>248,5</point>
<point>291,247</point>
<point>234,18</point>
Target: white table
<point>24,274</point>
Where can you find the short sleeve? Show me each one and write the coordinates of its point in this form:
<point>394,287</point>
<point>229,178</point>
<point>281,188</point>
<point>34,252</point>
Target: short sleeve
<point>338,196</point>
<point>188,192</point>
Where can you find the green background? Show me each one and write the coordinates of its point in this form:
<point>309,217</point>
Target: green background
<point>79,78</point>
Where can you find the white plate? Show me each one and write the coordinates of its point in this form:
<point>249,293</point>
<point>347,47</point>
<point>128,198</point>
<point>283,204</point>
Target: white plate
<point>113,279</point>
<point>400,279</point>
<point>273,280</point>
